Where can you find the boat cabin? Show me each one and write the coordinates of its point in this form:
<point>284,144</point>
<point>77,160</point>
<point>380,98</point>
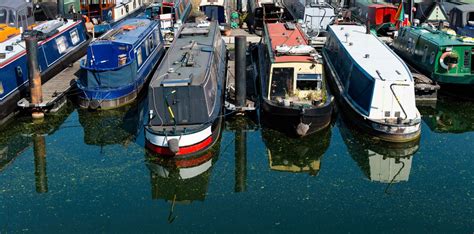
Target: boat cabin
<point>115,58</point>
<point>100,10</point>
<point>461,19</point>
<point>445,57</point>
<point>294,71</point>
<point>14,14</point>
<point>379,14</point>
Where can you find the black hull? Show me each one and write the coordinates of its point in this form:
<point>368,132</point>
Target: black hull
<point>360,121</point>
<point>9,106</point>
<point>286,120</point>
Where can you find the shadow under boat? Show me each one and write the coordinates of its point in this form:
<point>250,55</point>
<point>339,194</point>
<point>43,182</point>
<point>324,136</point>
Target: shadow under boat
<point>297,155</point>
<point>118,126</point>
<point>449,116</point>
<point>380,161</point>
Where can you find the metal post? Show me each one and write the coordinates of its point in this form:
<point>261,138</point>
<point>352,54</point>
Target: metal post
<point>411,10</point>
<point>61,8</point>
<point>240,70</point>
<point>39,148</point>
<point>240,160</point>
<point>34,75</point>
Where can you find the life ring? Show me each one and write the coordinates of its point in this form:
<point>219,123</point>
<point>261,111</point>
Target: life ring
<point>86,18</point>
<point>445,55</point>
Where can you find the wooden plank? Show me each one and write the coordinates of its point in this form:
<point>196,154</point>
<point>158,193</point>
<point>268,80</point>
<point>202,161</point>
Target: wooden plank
<point>56,87</point>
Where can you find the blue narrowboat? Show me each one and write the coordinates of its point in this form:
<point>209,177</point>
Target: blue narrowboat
<point>118,64</point>
<point>60,42</point>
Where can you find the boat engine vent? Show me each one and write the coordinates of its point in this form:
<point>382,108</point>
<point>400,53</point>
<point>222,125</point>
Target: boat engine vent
<point>290,26</point>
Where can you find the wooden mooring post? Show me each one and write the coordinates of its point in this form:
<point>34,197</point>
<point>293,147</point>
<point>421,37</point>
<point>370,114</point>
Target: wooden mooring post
<point>34,75</point>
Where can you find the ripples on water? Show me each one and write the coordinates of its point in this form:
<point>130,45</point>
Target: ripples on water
<point>82,171</point>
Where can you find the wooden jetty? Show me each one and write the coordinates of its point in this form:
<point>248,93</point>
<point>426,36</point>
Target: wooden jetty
<point>56,89</point>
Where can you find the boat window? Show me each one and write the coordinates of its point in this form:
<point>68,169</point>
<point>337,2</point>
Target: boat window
<point>361,89</point>
<point>151,43</point>
<point>470,16</point>
<point>308,81</point>
<point>453,18</point>
<point>3,16</point>
<point>166,10</point>
<point>62,44</point>
<point>74,36</point>
<point>282,82</point>
<point>139,56</point>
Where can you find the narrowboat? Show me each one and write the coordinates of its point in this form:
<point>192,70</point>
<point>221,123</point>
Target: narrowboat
<point>269,11</point>
<point>441,56</point>
<point>295,155</point>
<point>380,15</point>
<point>373,85</point>
<point>60,42</point>
<point>119,64</point>
<point>461,20</point>
<point>186,93</point>
<point>315,15</point>
<point>214,10</point>
<point>294,96</point>
<point>104,14</point>
<point>172,14</point>
<point>382,162</point>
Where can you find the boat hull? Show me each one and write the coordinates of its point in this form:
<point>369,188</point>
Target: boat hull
<point>362,122</point>
<point>287,120</point>
<point>110,99</point>
<point>9,107</point>
<point>190,145</point>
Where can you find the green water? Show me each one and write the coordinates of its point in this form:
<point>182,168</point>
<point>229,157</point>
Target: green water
<point>89,172</point>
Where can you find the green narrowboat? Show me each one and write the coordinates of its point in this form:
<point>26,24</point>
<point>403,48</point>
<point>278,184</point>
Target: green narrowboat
<point>443,56</point>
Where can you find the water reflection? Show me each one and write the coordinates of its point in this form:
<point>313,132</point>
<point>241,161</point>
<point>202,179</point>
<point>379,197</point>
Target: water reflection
<point>19,135</point>
<point>181,180</point>
<point>380,161</point>
<point>299,155</point>
<point>449,116</point>
<point>117,126</point>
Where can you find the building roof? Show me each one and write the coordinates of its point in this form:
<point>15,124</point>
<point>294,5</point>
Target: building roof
<point>371,54</point>
<point>465,7</point>
<point>376,6</point>
<point>14,4</point>
<point>279,35</point>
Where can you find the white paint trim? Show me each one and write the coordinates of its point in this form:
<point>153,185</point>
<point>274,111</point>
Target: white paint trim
<point>184,140</point>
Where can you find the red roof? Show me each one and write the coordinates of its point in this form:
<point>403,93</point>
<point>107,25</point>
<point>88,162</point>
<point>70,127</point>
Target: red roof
<point>279,35</point>
<point>378,5</point>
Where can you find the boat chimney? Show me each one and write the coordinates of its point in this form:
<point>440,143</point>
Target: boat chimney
<point>34,75</point>
<point>367,26</point>
<point>240,70</point>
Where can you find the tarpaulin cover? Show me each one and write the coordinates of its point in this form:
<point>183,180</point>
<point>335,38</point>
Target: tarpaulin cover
<point>111,78</point>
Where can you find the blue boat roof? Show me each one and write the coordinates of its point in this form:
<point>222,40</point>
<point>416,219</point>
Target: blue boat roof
<point>130,30</point>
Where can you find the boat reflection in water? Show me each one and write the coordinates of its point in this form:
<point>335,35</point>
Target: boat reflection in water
<point>298,155</point>
<point>17,137</point>
<point>449,116</point>
<point>117,126</point>
<point>380,161</point>
<point>180,180</point>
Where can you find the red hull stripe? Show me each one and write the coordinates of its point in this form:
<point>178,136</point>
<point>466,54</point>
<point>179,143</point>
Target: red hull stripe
<point>182,150</point>
<point>184,163</point>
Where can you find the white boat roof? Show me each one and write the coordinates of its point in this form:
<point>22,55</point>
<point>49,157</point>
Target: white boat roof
<point>380,58</point>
